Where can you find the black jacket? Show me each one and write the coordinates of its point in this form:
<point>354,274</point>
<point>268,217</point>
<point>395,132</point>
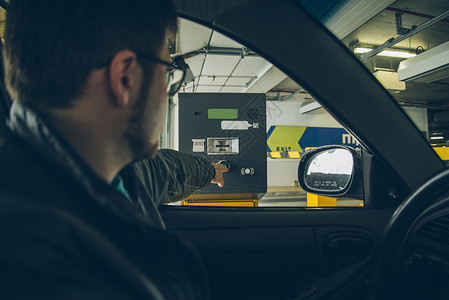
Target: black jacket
<point>67,234</point>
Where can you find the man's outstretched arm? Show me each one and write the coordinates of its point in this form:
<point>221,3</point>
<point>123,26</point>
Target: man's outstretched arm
<point>173,175</point>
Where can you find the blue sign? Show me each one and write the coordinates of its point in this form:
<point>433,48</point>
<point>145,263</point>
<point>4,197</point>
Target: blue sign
<point>320,136</point>
<point>288,138</point>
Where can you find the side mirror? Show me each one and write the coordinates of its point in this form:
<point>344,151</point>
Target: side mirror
<point>328,170</point>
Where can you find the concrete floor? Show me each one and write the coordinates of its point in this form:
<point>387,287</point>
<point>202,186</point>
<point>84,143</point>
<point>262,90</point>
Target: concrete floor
<point>275,197</point>
<point>296,197</point>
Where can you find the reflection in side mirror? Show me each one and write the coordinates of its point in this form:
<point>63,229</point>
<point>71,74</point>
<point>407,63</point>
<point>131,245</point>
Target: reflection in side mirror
<point>327,170</point>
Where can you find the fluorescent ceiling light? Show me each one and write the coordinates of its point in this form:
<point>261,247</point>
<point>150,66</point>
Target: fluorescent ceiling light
<point>437,138</point>
<point>389,53</point>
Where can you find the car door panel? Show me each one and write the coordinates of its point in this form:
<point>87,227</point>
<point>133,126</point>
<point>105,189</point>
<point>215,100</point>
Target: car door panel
<point>279,251</point>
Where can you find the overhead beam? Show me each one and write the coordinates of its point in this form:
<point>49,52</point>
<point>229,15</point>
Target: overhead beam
<point>305,108</point>
<point>352,15</point>
<point>266,81</point>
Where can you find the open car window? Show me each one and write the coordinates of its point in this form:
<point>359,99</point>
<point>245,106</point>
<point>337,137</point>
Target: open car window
<point>295,122</point>
<point>237,106</point>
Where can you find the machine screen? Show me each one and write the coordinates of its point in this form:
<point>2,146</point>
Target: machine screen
<point>222,113</point>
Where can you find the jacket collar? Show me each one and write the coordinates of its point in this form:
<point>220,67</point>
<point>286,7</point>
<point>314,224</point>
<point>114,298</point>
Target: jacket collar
<point>40,136</point>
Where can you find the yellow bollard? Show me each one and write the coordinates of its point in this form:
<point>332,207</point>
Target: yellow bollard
<point>320,201</point>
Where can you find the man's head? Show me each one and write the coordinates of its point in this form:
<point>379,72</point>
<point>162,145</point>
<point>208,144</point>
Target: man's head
<point>51,46</point>
<point>96,68</point>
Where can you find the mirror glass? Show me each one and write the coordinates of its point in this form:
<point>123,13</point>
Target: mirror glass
<point>329,170</point>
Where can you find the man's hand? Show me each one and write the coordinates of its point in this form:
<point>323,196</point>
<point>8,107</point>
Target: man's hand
<point>219,169</point>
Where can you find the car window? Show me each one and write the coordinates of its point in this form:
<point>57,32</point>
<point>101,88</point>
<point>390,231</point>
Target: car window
<point>225,83</point>
<point>405,49</point>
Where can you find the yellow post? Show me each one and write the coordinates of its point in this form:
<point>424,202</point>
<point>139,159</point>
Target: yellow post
<point>320,201</point>
<point>443,152</point>
<point>275,154</point>
<point>294,154</point>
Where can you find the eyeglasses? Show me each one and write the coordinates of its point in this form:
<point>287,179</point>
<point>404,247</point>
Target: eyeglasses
<point>174,76</point>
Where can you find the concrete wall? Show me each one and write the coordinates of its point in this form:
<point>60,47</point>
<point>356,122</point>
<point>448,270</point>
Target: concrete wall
<point>286,113</point>
<point>284,172</point>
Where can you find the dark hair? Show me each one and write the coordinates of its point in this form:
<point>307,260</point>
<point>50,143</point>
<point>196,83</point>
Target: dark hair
<point>51,46</point>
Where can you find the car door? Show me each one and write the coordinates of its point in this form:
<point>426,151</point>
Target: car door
<point>306,253</point>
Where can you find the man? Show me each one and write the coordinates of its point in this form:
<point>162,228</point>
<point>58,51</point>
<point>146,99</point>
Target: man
<point>77,221</point>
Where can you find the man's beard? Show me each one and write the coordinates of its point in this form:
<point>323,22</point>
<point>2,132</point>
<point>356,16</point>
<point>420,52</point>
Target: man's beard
<point>139,143</point>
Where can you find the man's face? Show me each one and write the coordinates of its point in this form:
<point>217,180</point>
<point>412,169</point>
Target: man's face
<point>149,111</point>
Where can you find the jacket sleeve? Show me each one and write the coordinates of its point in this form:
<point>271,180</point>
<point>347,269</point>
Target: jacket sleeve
<point>172,175</point>
<point>48,252</point>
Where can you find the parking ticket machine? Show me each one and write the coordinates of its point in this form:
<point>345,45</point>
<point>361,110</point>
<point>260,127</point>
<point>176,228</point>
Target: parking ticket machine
<point>231,129</point>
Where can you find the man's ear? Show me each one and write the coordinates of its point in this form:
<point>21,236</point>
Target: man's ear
<point>121,76</point>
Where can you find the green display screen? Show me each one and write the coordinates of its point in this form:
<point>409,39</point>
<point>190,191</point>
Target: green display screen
<point>222,113</point>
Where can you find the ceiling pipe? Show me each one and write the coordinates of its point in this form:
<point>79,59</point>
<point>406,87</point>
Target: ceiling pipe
<point>412,13</point>
<point>282,91</point>
<point>285,97</point>
<point>394,41</point>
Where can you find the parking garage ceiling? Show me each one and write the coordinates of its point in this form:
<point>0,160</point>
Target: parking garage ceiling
<point>219,64</point>
<point>383,27</point>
